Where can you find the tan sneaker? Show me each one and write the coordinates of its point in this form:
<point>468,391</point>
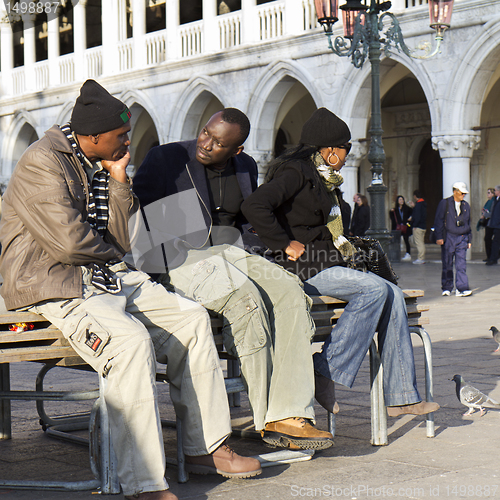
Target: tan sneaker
<point>421,408</point>
<point>223,461</point>
<point>154,495</point>
<point>296,433</point>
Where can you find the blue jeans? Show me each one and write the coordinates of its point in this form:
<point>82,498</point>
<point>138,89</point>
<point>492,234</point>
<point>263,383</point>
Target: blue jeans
<point>454,248</point>
<point>374,305</point>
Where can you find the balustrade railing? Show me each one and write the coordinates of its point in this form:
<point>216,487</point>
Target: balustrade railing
<point>41,75</point>
<point>271,20</point>
<point>156,47</point>
<point>269,24</point>
<point>309,15</point>
<point>230,30</point>
<point>125,55</point>
<point>93,62</point>
<point>191,35</point>
<point>67,69</point>
<point>18,80</point>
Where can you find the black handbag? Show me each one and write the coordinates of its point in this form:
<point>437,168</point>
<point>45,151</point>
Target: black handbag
<point>371,257</point>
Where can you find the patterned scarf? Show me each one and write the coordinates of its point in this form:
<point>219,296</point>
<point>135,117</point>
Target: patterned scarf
<point>331,180</point>
<point>97,214</point>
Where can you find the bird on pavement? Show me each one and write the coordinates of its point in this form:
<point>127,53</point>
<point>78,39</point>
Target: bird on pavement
<point>471,397</point>
<point>496,336</point>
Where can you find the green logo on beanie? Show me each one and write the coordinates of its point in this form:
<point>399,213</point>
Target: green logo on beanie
<point>125,116</point>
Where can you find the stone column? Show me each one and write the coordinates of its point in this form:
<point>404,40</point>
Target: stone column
<point>53,49</point>
<point>139,31</point>
<point>80,38</point>
<point>249,27</point>
<point>262,157</point>
<point>211,41</point>
<point>172,12</point>
<point>350,171</point>
<point>7,55</point>
<point>29,51</point>
<point>111,21</point>
<point>456,150</point>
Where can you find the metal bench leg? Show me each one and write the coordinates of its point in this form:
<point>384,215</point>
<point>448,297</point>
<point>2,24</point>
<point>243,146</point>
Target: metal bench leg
<point>5,414</point>
<point>108,475</point>
<point>429,387</point>
<point>233,371</point>
<point>331,423</point>
<point>182,475</point>
<point>378,411</point>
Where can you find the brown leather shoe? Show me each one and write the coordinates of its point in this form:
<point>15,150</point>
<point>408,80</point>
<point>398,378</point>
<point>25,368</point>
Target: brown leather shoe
<point>154,495</point>
<point>324,393</point>
<point>223,461</point>
<point>421,408</point>
<point>296,433</point>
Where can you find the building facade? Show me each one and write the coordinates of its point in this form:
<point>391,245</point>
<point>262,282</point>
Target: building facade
<point>175,63</point>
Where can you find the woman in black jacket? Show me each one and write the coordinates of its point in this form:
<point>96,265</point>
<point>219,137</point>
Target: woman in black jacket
<point>399,220</point>
<point>296,213</point>
<point>361,217</point>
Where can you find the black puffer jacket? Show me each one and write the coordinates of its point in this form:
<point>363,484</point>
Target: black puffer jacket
<point>295,205</point>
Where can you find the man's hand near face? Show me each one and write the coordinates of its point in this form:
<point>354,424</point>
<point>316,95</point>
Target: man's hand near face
<point>117,169</point>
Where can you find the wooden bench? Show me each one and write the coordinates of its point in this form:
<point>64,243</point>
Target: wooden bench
<point>46,344</point>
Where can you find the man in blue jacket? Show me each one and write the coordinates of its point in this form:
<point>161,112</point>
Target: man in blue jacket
<point>494,223</point>
<point>453,233</point>
<point>265,311</point>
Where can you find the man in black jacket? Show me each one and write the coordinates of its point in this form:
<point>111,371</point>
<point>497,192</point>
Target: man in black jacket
<point>453,233</point>
<point>494,223</point>
<point>266,313</point>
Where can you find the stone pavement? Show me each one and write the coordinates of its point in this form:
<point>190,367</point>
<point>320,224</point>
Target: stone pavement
<point>460,462</point>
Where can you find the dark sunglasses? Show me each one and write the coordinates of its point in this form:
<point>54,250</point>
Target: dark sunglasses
<point>347,146</point>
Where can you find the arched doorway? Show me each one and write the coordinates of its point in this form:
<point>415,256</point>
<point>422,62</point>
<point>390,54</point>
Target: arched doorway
<point>143,137</point>
<point>430,181</point>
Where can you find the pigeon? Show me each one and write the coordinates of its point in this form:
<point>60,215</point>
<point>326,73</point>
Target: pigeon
<point>471,397</point>
<point>496,336</point>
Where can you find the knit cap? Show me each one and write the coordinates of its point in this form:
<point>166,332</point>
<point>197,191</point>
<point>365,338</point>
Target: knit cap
<point>325,129</point>
<point>96,111</point>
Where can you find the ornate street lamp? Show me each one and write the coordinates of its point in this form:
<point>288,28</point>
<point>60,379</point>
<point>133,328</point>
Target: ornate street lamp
<point>366,29</point>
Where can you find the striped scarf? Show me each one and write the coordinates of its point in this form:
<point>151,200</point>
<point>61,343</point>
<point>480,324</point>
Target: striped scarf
<point>98,211</point>
<point>97,214</point>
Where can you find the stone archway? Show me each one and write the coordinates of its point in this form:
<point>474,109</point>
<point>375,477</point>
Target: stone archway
<point>21,133</point>
<point>143,136</point>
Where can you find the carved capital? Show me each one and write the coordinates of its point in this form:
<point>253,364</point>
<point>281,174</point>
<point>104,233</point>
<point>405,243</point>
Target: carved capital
<point>457,145</point>
<point>357,153</point>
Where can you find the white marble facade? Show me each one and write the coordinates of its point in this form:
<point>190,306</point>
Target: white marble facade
<point>272,62</point>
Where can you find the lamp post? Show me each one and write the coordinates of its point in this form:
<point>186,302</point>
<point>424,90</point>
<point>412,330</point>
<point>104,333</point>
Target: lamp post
<point>363,26</point>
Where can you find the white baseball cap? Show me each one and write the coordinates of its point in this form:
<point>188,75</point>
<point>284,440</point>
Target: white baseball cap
<point>460,186</point>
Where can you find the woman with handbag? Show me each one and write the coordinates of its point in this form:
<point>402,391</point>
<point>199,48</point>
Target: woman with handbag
<point>297,214</point>
<point>399,219</point>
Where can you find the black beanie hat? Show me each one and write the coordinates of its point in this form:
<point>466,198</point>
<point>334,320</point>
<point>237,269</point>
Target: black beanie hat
<point>96,111</point>
<point>325,129</point>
